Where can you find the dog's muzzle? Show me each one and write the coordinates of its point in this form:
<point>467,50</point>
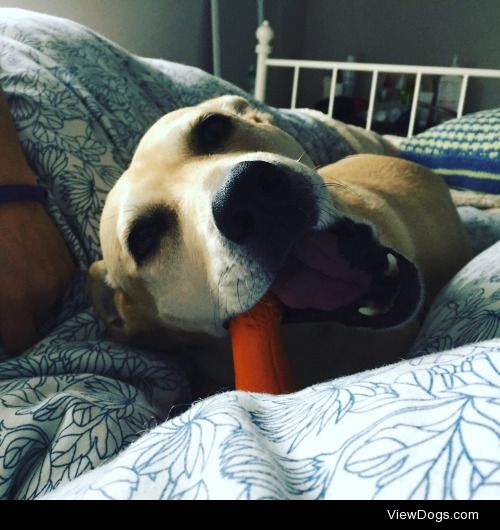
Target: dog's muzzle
<point>339,274</point>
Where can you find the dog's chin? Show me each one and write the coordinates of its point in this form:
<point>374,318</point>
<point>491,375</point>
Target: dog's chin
<point>343,274</point>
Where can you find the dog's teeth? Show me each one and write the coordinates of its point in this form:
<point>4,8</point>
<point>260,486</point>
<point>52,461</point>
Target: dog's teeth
<point>368,311</point>
<point>392,267</point>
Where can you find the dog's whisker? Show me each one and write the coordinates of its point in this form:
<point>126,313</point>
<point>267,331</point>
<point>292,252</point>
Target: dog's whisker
<point>329,211</point>
<point>336,184</point>
<point>238,294</point>
<point>219,314</point>
<point>225,314</point>
<point>301,156</point>
<point>217,297</point>
<point>340,185</point>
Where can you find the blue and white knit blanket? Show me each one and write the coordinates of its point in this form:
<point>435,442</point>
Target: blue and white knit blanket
<point>465,151</point>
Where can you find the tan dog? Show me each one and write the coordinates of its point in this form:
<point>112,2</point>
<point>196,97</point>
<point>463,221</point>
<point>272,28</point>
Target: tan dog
<point>219,206</point>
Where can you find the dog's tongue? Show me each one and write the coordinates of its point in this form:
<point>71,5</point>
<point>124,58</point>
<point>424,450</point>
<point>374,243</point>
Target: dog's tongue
<point>316,276</point>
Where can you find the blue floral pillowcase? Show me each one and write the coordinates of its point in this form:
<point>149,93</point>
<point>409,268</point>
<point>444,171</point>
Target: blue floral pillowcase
<point>467,310</point>
<point>464,151</point>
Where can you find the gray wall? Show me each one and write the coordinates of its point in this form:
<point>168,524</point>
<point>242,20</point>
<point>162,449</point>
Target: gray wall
<point>177,30</point>
<point>394,31</point>
<point>238,25</point>
<point>426,32</point>
<point>405,31</point>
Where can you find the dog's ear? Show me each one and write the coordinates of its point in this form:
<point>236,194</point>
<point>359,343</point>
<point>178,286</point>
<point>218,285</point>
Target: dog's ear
<point>124,317</point>
<point>241,106</point>
<point>104,298</point>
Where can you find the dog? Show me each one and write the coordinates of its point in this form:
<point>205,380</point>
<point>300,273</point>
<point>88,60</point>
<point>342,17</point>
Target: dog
<point>220,206</point>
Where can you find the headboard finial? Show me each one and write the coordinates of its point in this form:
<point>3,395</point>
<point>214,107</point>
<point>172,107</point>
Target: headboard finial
<point>263,49</point>
<point>264,34</point>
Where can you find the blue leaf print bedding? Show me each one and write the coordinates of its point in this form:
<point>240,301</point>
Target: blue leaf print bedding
<point>82,417</point>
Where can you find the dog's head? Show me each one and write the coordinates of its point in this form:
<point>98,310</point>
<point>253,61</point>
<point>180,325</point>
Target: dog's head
<point>218,207</point>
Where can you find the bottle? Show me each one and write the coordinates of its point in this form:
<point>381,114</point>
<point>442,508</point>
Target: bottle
<point>387,88</point>
<point>448,92</point>
<point>327,83</point>
<point>425,100</point>
<point>348,79</point>
<point>401,88</point>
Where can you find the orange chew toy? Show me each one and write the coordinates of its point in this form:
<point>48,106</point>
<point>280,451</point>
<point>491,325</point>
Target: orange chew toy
<point>260,362</point>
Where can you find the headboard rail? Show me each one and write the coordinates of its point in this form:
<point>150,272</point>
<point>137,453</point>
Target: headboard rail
<point>263,49</point>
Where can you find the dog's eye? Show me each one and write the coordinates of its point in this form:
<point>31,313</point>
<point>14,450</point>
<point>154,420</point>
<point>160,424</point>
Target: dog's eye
<point>146,233</point>
<point>212,130</point>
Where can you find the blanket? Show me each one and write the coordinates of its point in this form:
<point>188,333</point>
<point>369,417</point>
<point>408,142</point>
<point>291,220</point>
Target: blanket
<point>425,428</point>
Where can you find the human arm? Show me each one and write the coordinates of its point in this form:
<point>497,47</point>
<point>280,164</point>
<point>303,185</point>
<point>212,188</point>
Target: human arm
<point>35,264</point>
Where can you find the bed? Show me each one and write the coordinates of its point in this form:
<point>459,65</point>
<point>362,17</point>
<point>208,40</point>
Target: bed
<point>84,418</point>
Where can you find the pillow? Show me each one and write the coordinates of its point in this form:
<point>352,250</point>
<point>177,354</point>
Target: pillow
<point>464,151</point>
<point>467,310</point>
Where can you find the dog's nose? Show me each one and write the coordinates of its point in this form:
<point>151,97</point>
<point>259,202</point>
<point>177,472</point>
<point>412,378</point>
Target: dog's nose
<point>261,206</point>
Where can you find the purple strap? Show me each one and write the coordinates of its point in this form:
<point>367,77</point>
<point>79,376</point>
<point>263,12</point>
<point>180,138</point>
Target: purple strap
<point>22,192</point>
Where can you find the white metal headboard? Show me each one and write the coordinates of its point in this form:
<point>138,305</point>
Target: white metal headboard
<point>263,50</point>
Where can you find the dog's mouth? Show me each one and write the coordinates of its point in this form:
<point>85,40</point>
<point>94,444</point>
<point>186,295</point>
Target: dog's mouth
<point>344,274</point>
